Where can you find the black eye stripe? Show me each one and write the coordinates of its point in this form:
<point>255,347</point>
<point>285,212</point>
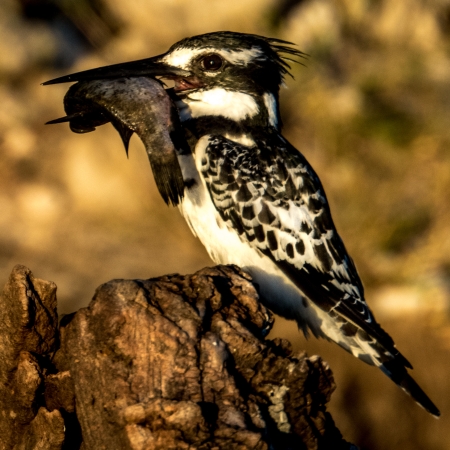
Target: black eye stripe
<point>211,62</point>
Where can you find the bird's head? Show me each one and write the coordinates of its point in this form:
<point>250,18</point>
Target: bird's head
<point>234,75</point>
<point>233,61</point>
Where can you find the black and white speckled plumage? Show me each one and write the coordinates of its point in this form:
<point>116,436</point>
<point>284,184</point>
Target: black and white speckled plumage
<point>272,198</point>
<point>269,195</point>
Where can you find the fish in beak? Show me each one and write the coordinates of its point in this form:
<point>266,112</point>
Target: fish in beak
<point>129,96</point>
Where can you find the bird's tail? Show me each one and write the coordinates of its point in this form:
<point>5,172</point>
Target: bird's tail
<point>375,347</point>
<point>386,357</point>
<point>398,373</point>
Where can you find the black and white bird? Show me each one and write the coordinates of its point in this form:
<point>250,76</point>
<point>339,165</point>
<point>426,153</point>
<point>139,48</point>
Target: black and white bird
<point>253,199</point>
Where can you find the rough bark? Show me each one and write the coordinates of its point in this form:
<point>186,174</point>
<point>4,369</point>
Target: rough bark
<point>178,362</point>
<point>28,339</point>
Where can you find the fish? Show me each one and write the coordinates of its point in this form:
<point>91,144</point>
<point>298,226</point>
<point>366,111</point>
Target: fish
<point>138,105</point>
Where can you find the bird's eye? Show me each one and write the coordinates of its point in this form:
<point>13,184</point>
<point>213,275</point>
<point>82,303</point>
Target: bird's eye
<point>212,62</point>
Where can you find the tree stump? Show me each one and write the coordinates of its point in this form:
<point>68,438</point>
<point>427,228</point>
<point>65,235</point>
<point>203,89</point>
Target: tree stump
<point>177,362</point>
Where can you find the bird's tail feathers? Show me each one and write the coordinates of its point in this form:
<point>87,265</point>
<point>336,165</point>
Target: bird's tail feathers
<point>396,371</point>
<point>367,348</point>
<point>395,366</point>
<point>389,360</point>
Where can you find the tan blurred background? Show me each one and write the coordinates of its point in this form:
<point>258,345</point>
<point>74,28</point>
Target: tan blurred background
<point>371,112</point>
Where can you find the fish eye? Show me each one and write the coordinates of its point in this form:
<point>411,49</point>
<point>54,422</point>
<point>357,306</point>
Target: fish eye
<point>211,62</point>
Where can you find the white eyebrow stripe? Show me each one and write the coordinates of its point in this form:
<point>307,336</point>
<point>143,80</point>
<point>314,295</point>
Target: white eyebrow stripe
<point>182,57</point>
<point>242,56</point>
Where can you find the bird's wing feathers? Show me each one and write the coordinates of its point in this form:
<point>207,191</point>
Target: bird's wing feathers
<point>275,201</point>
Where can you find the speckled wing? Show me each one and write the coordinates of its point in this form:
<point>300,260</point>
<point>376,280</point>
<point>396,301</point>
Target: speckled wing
<point>275,201</point>
<point>271,196</point>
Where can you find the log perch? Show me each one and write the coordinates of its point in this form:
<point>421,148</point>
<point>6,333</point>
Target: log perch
<point>176,362</point>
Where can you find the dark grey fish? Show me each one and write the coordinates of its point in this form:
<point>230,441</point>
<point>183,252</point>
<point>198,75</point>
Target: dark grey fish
<point>133,105</point>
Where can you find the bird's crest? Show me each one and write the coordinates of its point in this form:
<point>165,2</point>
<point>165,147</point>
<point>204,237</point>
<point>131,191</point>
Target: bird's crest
<point>283,48</point>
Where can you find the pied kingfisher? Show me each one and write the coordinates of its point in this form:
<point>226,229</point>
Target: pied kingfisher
<point>253,200</point>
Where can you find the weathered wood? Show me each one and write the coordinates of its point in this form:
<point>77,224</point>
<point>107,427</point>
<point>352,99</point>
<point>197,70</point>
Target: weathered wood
<point>28,338</point>
<point>169,363</point>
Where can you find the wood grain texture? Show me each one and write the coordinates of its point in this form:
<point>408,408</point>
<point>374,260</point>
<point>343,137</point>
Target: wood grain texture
<point>175,362</point>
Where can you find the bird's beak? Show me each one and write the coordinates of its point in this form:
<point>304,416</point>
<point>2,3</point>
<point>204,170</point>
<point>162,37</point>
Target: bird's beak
<point>149,67</point>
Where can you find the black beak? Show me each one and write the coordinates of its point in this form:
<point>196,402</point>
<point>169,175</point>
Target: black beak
<point>149,67</point>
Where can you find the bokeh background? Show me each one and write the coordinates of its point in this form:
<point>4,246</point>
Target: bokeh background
<point>370,110</point>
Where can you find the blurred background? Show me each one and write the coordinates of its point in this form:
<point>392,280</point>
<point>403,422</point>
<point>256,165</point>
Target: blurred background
<point>370,111</point>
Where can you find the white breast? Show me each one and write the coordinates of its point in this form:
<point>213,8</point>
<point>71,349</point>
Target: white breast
<point>222,242</point>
